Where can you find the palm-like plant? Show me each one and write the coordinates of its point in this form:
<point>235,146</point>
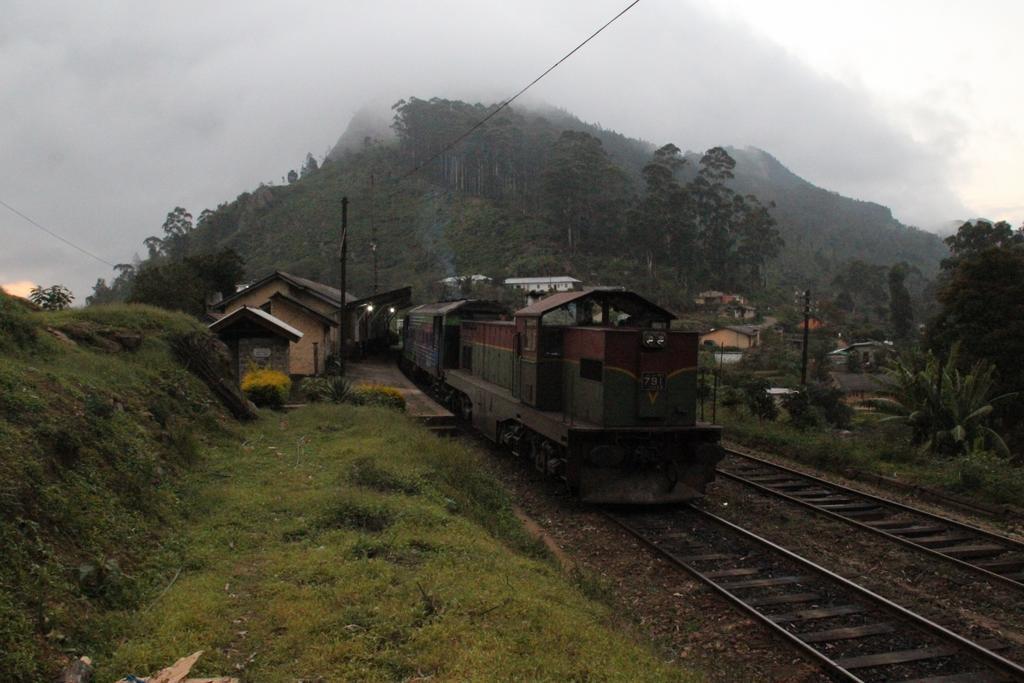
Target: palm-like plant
<point>946,409</point>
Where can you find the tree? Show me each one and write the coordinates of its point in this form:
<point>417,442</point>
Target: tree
<point>661,224</point>
<point>177,227</point>
<point>309,166</point>
<point>735,234</point>
<point>973,238</point>
<point>759,402</point>
<point>54,298</point>
<point>901,310</point>
<point>982,312</point>
<point>947,410</point>
<point>861,287</point>
<point>185,285</point>
<point>582,189</point>
<point>292,176</point>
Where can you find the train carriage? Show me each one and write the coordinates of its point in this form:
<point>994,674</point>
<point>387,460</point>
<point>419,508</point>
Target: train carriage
<point>592,386</point>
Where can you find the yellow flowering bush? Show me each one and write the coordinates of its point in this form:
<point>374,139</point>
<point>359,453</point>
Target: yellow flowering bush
<point>267,387</point>
<point>377,395</point>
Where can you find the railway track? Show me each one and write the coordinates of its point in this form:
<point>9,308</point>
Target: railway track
<point>991,555</point>
<point>853,633</point>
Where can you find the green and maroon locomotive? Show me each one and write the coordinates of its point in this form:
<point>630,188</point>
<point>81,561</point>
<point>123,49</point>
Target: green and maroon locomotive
<point>593,387</point>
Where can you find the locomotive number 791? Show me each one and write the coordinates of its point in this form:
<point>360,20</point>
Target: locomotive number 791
<point>652,381</point>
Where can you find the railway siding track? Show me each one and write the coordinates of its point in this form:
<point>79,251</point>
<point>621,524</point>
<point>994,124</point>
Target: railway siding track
<point>853,633</point>
<point>996,557</point>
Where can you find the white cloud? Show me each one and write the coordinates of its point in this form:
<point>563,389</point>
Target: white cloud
<point>117,112</point>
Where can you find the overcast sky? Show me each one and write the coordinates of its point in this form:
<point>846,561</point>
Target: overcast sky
<point>114,112</point>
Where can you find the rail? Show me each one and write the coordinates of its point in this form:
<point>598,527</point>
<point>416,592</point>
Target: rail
<point>853,633</point>
<point>991,555</point>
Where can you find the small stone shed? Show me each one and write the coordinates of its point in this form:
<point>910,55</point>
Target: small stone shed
<point>256,338</point>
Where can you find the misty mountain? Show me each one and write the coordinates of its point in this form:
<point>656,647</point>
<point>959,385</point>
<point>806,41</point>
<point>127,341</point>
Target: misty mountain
<point>485,207</point>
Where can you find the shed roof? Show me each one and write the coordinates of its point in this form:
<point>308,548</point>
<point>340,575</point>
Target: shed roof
<point>446,307</point>
<point>745,330</point>
<point>321,291</point>
<point>261,318</point>
<point>860,345</point>
<point>550,303</point>
<point>539,280</point>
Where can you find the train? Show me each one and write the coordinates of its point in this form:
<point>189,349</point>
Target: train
<point>592,387</point>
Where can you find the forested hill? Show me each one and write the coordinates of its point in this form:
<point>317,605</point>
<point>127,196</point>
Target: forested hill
<point>541,192</point>
<point>830,228</point>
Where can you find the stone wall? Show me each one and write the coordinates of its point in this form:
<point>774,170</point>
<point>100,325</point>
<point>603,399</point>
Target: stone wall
<point>264,352</point>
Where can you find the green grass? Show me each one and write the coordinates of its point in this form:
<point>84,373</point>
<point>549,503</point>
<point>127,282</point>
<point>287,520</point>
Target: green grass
<point>882,449</point>
<point>92,444</point>
<point>346,543</point>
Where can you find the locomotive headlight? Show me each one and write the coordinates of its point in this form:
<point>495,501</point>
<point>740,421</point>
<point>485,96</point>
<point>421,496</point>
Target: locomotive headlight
<point>654,340</point>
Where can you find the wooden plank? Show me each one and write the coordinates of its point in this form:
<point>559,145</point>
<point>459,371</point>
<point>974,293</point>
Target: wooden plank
<point>890,524</point>
<point>706,557</point>
<point>972,677</point>
<point>970,552</point>
<point>815,493</point>
<point>1002,565</point>
<point>943,539</point>
<point>845,633</point>
<point>796,486</point>
<point>898,657</point>
<point>878,513</point>
<point>851,507</point>
<point>792,598</point>
<point>916,530</point>
<point>820,613</point>
<point>827,499</point>
<point>725,573</point>
<point>764,583</point>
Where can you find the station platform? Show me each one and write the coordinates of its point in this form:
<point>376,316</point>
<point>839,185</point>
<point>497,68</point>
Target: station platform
<point>384,370</point>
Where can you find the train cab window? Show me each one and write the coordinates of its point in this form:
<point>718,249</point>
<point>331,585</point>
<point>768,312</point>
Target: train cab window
<point>591,369</point>
<point>467,358</point>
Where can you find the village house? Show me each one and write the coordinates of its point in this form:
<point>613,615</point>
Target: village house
<point>740,311</point>
<point>312,308</point>
<point>713,297</point>
<point>553,283</point>
<point>733,336</point>
<point>858,388</point>
<point>870,354</point>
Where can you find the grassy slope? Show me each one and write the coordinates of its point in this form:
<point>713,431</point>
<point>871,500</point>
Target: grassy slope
<point>880,449</point>
<point>344,543</point>
<point>91,442</point>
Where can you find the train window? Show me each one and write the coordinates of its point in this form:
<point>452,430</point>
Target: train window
<point>467,358</point>
<point>591,369</point>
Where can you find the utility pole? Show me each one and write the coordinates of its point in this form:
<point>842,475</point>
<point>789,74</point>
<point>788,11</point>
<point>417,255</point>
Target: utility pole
<point>807,329</point>
<point>373,237</point>
<point>341,304</point>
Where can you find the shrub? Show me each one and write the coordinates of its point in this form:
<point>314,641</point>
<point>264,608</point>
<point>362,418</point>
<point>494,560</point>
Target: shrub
<point>759,401</point>
<point>330,388</point>
<point>17,330</point>
<point>814,404</point>
<point>802,414</point>
<point>377,395</point>
<point>267,387</point>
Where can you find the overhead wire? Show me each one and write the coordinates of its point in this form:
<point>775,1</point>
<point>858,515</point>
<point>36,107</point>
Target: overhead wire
<point>415,169</point>
<point>476,126</point>
<point>54,234</point>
